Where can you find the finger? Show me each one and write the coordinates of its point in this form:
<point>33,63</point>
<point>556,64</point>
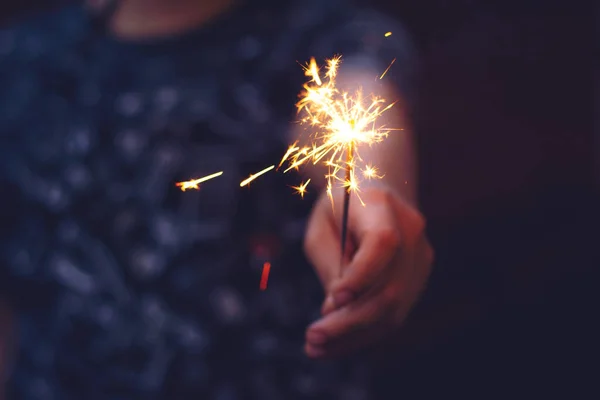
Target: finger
<point>322,247</point>
<point>349,344</point>
<point>351,318</point>
<point>374,255</point>
<point>322,244</point>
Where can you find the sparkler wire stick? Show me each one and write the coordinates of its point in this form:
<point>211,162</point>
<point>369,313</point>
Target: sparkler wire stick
<point>344,237</point>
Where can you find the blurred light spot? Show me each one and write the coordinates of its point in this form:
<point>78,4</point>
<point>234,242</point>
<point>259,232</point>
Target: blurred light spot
<point>165,231</point>
<point>228,305</point>
<point>129,104</point>
<point>71,276</point>
<point>130,142</point>
<point>147,264</point>
<point>166,98</point>
<point>249,48</point>
<point>79,141</point>
<point>77,176</point>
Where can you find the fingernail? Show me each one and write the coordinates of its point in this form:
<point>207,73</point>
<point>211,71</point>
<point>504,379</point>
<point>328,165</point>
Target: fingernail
<point>342,298</point>
<point>316,338</point>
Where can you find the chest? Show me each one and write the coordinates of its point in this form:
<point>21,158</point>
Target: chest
<point>99,168</point>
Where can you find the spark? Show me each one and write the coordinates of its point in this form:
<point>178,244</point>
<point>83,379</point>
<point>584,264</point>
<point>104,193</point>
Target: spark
<point>256,175</point>
<point>301,189</point>
<point>264,279</point>
<point>387,69</point>
<point>340,123</point>
<point>194,183</point>
<point>371,172</point>
<point>329,192</point>
<point>388,34</point>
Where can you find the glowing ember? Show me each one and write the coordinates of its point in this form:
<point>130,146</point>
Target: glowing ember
<point>301,190</point>
<point>256,175</point>
<point>387,69</point>
<point>371,172</point>
<point>193,184</point>
<point>264,279</point>
<point>388,34</point>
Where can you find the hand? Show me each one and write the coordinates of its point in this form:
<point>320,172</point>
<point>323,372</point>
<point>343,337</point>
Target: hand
<point>386,266</point>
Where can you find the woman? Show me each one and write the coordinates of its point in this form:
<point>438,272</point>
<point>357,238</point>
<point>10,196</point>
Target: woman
<point>124,287</point>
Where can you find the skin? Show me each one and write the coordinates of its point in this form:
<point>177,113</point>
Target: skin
<point>148,19</point>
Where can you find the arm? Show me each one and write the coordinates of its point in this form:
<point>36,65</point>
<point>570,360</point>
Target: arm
<point>389,258</point>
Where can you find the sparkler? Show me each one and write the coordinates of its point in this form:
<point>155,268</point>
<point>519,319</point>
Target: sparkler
<point>341,123</point>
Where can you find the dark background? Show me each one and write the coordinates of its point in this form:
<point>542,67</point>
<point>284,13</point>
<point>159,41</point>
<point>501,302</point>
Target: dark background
<point>504,126</point>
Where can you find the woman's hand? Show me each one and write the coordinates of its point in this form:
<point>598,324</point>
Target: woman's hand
<point>386,266</point>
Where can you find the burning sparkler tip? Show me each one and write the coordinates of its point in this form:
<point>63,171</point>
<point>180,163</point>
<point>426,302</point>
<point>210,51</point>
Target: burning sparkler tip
<point>195,183</point>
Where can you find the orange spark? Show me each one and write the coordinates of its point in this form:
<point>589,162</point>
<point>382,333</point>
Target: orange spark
<point>193,184</point>
<point>264,279</point>
<point>388,34</point>
<point>302,188</point>
<point>256,175</point>
<point>329,192</point>
<point>387,69</point>
<point>371,172</point>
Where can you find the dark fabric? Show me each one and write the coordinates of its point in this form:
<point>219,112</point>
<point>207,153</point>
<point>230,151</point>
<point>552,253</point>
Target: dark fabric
<point>125,287</point>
